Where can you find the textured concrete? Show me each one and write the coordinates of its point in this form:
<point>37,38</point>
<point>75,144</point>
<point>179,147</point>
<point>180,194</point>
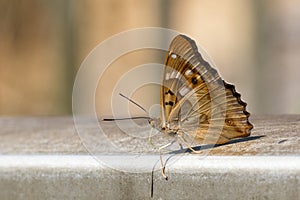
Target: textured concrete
<point>44,158</point>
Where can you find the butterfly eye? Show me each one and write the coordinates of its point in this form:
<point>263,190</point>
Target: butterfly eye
<point>173,56</point>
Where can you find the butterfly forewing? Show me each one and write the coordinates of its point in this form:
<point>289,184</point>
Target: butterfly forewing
<point>195,99</point>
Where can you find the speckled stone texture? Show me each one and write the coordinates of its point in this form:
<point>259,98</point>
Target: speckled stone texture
<point>45,158</point>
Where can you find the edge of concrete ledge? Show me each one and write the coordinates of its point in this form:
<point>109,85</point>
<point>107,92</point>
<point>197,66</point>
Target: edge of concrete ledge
<point>191,177</point>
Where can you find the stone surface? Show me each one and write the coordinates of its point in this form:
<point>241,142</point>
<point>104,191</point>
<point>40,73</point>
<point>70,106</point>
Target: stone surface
<point>272,135</point>
<point>45,158</point>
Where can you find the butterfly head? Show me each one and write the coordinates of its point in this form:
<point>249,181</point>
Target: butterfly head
<point>157,124</point>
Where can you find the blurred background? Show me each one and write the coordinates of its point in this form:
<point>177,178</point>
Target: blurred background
<point>255,45</point>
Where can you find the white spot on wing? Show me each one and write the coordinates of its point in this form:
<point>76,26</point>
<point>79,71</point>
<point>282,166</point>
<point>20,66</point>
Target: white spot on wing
<point>184,91</point>
<point>173,74</point>
<point>167,76</point>
<point>188,72</point>
<point>173,56</point>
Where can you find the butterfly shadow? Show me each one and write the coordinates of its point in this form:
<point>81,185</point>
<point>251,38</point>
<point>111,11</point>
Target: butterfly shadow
<point>210,146</point>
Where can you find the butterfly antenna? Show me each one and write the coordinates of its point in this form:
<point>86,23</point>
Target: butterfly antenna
<point>113,119</point>
<point>126,118</point>
<point>135,103</point>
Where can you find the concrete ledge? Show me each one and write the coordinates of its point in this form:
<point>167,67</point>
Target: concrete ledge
<point>43,158</point>
<point>214,177</point>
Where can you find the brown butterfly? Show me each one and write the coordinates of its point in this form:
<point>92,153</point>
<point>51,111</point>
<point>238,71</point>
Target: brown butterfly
<point>197,106</point>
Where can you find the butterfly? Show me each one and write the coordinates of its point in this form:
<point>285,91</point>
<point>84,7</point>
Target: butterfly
<point>197,105</point>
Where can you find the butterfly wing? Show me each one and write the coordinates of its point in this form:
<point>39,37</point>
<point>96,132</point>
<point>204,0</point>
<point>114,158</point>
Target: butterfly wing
<point>196,99</point>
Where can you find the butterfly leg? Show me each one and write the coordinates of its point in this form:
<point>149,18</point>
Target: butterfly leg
<point>150,138</point>
<point>161,159</point>
<point>180,145</point>
<point>189,146</point>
